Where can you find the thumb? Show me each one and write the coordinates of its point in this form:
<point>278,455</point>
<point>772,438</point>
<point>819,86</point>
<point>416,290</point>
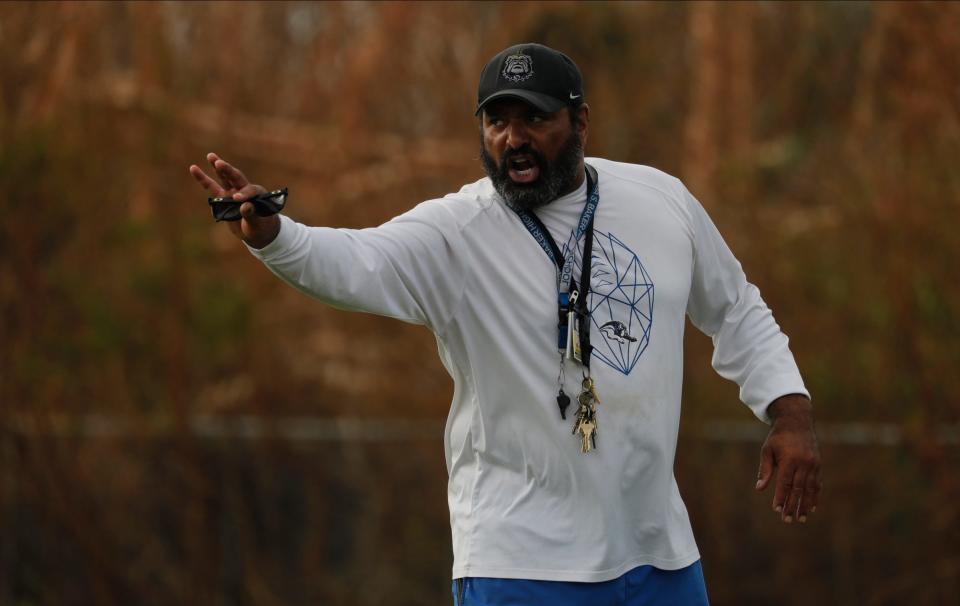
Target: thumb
<point>766,468</point>
<point>251,225</point>
<point>255,230</point>
<point>249,212</point>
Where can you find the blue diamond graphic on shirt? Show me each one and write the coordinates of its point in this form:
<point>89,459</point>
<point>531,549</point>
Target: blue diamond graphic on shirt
<point>620,303</point>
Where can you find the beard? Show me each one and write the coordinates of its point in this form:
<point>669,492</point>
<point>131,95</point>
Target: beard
<point>556,178</point>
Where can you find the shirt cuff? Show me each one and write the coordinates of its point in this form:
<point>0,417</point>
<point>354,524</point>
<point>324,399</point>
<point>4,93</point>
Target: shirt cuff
<point>281,243</point>
<point>775,390</point>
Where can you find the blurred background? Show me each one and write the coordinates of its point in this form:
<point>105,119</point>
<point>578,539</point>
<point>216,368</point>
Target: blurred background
<point>178,427</point>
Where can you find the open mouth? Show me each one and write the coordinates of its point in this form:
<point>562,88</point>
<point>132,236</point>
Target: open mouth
<point>523,168</point>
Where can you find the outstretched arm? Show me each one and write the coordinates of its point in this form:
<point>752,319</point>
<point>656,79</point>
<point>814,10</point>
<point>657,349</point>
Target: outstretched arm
<point>791,453</point>
<point>409,268</point>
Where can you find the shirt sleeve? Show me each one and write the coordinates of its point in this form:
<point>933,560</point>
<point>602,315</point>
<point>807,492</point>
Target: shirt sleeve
<point>748,345</point>
<point>408,268</point>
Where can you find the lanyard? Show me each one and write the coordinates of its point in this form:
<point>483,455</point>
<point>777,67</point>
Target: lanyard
<point>569,297</point>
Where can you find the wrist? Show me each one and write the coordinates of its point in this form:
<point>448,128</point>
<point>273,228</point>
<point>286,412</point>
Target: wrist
<point>791,406</point>
<point>266,232</point>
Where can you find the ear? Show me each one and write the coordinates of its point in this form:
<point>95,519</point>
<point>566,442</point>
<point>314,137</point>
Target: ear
<point>583,122</point>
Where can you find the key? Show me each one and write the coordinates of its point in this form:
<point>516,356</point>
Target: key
<point>587,441</point>
<point>583,409</point>
<point>582,412</point>
<point>588,398</point>
<point>588,386</point>
<point>593,432</point>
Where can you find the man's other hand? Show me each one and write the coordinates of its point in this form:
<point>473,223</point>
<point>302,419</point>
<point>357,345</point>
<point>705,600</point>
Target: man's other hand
<point>253,229</point>
<point>791,449</point>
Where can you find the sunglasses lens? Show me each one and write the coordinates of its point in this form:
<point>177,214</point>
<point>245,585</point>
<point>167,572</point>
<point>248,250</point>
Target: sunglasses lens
<point>271,203</point>
<point>225,211</point>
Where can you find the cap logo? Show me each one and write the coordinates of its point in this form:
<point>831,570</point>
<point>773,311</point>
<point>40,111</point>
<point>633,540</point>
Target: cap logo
<point>518,68</point>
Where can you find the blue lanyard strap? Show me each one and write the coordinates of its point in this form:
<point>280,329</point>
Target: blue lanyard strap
<point>545,240</point>
<point>566,286</point>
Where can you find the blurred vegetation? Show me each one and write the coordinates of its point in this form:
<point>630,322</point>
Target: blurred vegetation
<point>822,137</point>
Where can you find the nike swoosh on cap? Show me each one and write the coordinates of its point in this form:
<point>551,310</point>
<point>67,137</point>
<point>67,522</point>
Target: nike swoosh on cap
<point>572,96</point>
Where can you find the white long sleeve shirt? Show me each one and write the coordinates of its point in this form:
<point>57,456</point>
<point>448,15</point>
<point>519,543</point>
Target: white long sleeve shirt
<point>524,501</point>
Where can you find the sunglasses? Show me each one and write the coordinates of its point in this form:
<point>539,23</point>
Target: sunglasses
<point>265,204</point>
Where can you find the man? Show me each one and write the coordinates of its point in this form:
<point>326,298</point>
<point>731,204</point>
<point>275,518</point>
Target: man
<point>550,505</point>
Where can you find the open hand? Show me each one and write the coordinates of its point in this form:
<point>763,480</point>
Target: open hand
<point>791,449</point>
<point>253,229</point>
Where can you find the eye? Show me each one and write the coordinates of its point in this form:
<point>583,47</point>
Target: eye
<point>536,118</point>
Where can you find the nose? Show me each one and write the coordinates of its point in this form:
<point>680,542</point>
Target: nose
<point>517,134</point>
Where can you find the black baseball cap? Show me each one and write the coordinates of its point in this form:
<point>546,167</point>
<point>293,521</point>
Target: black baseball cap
<point>537,74</point>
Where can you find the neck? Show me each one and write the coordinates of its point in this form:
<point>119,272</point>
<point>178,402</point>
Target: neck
<point>581,175</point>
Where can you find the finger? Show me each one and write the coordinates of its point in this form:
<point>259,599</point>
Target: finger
<point>212,159</point>
<point>791,508</point>
<point>231,175</point>
<point>803,509</point>
<point>220,168</point>
<point>223,172</point>
<point>248,191</point>
<point>811,493</point>
<point>784,485</point>
<point>766,468</point>
<point>205,181</point>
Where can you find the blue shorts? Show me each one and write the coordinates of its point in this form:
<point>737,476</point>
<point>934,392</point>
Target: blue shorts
<point>642,586</point>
